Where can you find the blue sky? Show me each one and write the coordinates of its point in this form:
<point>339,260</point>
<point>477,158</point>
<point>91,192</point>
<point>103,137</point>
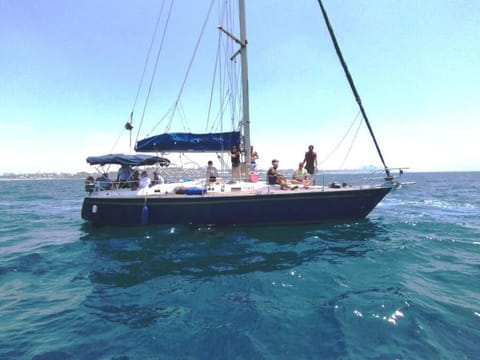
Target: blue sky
<point>70,69</point>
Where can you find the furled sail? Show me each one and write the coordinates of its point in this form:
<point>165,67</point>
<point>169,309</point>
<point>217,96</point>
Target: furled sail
<point>189,142</point>
<point>123,159</point>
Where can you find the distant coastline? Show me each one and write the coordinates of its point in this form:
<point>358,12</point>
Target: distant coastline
<point>84,174</point>
<point>44,176</point>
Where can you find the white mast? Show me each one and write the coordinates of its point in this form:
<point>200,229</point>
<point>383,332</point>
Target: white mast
<point>242,41</point>
<point>245,97</point>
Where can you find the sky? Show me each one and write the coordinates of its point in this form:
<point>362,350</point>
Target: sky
<point>70,70</point>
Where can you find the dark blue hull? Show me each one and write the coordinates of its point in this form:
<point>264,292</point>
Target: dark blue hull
<point>274,208</point>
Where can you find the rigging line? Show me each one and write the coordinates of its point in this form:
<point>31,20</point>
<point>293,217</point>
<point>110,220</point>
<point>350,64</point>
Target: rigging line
<point>231,66</point>
<point>190,161</point>
<point>237,94</point>
<point>232,82</point>
<point>147,60</point>
<point>217,122</point>
<point>215,68</point>
<point>118,140</point>
<point>161,119</point>
<point>222,111</point>
<point>227,96</point>
<point>183,117</point>
<point>193,58</point>
<point>352,85</point>
<point>351,145</point>
<point>129,123</point>
<point>223,88</point>
<point>224,66</point>
<point>227,84</point>
<point>325,159</point>
<point>156,65</point>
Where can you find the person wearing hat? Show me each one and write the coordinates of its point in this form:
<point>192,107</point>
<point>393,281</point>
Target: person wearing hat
<point>274,177</point>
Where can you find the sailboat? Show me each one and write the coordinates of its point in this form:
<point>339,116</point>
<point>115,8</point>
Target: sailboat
<point>244,201</point>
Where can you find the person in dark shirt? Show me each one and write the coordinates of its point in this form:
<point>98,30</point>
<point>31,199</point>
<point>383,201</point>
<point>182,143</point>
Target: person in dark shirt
<point>156,178</point>
<point>235,157</point>
<point>275,177</point>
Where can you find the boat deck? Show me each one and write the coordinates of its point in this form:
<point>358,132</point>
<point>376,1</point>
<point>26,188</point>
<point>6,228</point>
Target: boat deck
<point>197,188</point>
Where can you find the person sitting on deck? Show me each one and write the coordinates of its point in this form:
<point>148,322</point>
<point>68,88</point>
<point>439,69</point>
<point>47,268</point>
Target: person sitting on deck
<point>156,178</point>
<point>300,176</point>
<point>211,172</point>
<point>134,181</point>
<point>274,177</point>
<point>144,180</point>
<point>104,183</point>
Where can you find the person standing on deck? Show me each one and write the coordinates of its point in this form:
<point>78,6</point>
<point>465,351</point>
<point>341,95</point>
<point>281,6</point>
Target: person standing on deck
<point>310,162</point>
<point>123,176</point>
<point>254,157</point>
<point>235,157</point>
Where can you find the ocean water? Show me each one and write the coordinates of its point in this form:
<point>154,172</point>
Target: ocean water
<point>402,284</point>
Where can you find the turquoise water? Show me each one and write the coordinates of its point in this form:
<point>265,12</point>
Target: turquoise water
<point>402,284</point>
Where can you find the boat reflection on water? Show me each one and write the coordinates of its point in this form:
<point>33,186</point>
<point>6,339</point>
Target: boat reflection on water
<point>132,256</point>
<point>152,275</point>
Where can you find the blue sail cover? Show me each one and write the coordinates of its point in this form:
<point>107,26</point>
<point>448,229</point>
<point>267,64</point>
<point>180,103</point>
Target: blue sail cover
<point>123,159</point>
<point>188,142</point>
